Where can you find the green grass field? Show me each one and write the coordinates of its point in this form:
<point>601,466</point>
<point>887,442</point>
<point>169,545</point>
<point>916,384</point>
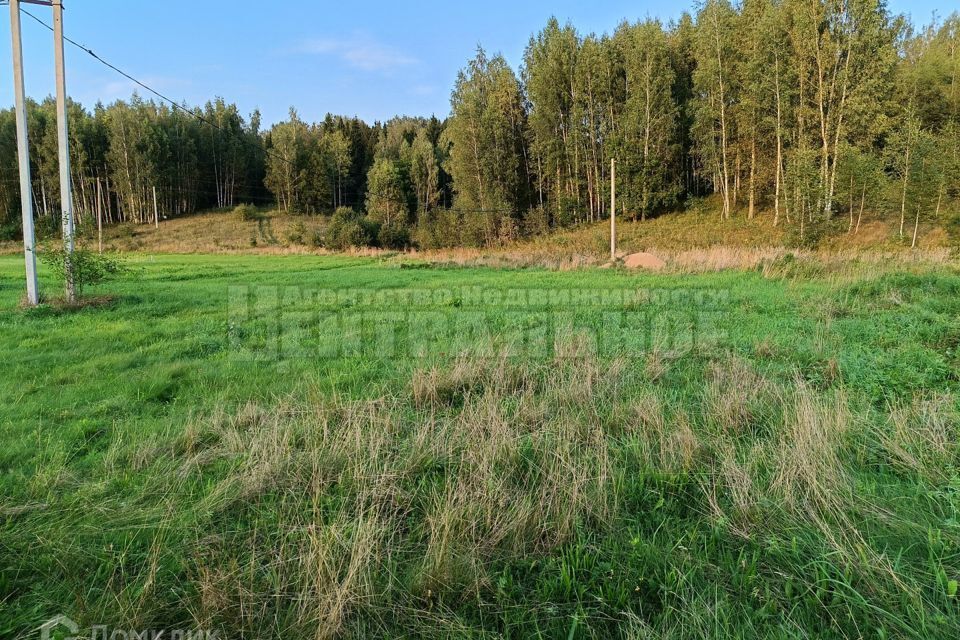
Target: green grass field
<point>236,444</point>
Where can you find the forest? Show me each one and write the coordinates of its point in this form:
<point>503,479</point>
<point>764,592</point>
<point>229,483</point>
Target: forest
<point>802,110</point>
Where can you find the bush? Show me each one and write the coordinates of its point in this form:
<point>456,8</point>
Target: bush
<point>568,212</point>
<point>297,233</point>
<point>488,228</point>
<point>46,228</point>
<point>700,206</point>
<point>315,239</point>
<point>341,214</point>
<point>478,228</point>
<point>816,231</point>
<point>395,235</point>
<point>342,236</point>
<point>89,267</point>
<point>348,228</point>
<point>536,222</point>
<point>10,231</point>
<point>248,213</point>
<point>953,227</point>
<point>438,229</point>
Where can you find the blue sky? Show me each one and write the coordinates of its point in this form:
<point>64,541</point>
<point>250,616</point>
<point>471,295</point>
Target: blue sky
<point>373,59</point>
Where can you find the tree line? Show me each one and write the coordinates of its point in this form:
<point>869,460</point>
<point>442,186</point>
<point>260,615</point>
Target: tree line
<point>802,110</point>
<point>120,154</point>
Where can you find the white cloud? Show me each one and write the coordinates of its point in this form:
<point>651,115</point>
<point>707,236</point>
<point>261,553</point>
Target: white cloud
<point>360,52</point>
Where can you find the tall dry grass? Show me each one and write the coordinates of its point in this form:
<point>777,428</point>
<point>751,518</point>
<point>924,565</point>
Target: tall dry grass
<point>490,458</point>
<point>374,514</point>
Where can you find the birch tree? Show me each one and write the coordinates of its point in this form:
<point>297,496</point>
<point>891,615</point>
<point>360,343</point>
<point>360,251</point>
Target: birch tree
<point>713,94</point>
<point>647,140</point>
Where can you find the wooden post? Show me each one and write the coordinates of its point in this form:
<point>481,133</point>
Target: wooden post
<point>156,216</point>
<point>613,209</point>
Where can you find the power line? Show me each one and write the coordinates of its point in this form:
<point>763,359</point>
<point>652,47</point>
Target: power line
<point>173,103</point>
<point>207,121</point>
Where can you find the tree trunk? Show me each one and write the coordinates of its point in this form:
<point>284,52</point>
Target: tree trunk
<point>753,171</point>
<point>723,124</point>
<point>99,220</point>
<point>779,172</point>
<point>850,228</point>
<point>916,227</point>
<point>736,179</point>
<point>903,197</point>
<point>646,144</point>
<point>863,200</point>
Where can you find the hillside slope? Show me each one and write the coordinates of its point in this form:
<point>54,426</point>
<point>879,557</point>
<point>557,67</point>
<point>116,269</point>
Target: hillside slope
<point>685,239</point>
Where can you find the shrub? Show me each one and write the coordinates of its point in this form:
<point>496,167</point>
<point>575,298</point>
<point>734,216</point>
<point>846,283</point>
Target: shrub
<point>808,235</point>
<point>395,235</point>
<point>89,267</point>
<point>488,228</point>
<point>568,212</point>
<point>699,206</point>
<point>953,227</point>
<point>345,235</point>
<point>345,213</point>
<point>297,233</point>
<point>536,222</point>
<point>46,228</point>
<point>348,228</point>
<point>438,229</point>
<point>248,212</point>
<point>10,231</point>
<point>478,229</point>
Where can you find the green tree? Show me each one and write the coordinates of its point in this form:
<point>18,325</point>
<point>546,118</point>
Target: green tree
<point>714,92</point>
<point>424,172</point>
<point>387,194</point>
<point>286,143</point>
<point>647,132</point>
<point>549,75</point>
<point>487,154</point>
<point>336,150</point>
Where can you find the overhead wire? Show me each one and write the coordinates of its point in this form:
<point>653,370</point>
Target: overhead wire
<point>173,103</point>
<point>211,123</point>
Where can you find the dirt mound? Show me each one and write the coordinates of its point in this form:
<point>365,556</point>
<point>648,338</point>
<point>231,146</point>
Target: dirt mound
<point>643,261</point>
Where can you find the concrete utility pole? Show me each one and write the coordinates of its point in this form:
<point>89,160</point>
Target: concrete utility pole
<point>23,156</point>
<point>613,209</point>
<point>66,195</point>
